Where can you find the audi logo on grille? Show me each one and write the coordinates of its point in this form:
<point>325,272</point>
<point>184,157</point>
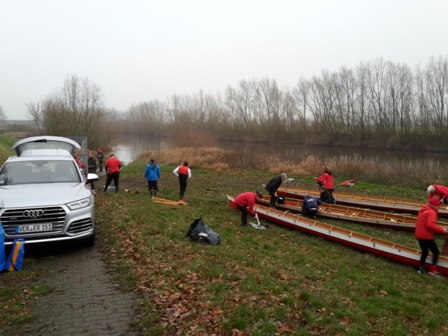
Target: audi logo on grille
<point>33,213</point>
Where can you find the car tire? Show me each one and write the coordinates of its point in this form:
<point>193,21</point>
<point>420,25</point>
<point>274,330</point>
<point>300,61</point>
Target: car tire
<point>89,242</point>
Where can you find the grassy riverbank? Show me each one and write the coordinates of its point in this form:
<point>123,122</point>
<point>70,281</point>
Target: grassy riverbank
<point>272,282</point>
<point>276,281</point>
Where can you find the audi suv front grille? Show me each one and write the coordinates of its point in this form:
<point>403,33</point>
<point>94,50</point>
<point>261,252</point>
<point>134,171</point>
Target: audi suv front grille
<point>13,217</point>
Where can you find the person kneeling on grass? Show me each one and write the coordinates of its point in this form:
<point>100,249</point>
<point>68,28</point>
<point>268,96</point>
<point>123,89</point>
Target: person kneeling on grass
<point>245,203</point>
<point>310,206</point>
<point>424,232</point>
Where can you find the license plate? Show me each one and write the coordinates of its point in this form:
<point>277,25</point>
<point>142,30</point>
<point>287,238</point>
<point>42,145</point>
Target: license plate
<point>34,228</point>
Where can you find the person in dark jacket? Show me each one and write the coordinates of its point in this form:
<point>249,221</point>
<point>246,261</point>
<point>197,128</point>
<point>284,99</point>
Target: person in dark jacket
<point>183,173</point>
<point>272,186</point>
<point>425,227</point>
<point>325,196</point>
<point>100,157</point>
<point>91,169</point>
<point>245,203</point>
<point>152,175</point>
<point>310,206</point>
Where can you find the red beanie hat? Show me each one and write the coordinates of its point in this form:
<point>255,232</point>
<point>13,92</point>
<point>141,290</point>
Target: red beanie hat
<point>434,201</point>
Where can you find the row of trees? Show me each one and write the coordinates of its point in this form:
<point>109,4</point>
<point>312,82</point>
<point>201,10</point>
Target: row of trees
<point>377,100</point>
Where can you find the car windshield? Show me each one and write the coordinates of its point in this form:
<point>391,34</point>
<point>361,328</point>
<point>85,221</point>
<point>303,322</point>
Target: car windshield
<point>43,171</point>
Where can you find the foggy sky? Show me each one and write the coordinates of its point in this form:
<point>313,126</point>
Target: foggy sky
<point>138,51</point>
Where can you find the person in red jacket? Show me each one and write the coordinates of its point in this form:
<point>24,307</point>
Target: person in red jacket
<point>424,232</point>
<point>113,167</point>
<point>245,203</point>
<point>326,180</point>
<point>438,190</point>
<point>183,173</point>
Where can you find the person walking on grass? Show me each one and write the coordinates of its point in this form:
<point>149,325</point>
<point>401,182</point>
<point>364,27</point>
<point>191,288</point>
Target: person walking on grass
<point>183,173</point>
<point>438,190</point>
<point>272,187</point>
<point>152,175</point>
<point>112,166</point>
<point>425,228</point>
<point>245,203</point>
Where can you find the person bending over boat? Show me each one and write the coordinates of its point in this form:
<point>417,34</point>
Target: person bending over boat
<point>245,203</point>
<point>272,186</point>
<point>424,232</point>
<point>438,190</point>
<point>310,206</point>
<point>325,196</point>
<point>326,180</point>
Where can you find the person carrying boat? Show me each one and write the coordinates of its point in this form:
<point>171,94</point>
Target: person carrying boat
<point>272,186</point>
<point>326,180</point>
<point>245,203</point>
<point>310,206</point>
<point>424,232</point>
<point>438,190</point>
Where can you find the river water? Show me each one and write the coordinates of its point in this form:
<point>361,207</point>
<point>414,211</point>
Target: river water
<point>129,148</point>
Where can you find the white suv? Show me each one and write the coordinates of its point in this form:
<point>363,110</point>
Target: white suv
<point>44,195</point>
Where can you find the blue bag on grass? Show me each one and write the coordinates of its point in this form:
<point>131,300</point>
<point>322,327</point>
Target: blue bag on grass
<point>15,259</point>
<point>2,249</point>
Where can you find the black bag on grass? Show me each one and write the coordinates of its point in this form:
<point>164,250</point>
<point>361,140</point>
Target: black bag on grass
<point>200,231</point>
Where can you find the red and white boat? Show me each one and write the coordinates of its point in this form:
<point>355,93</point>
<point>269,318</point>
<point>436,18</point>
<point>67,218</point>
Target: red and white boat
<point>396,252</point>
<point>353,214</point>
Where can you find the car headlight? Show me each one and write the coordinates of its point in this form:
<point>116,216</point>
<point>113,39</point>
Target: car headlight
<point>85,202</point>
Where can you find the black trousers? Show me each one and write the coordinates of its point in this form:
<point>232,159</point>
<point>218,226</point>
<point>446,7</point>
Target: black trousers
<point>428,245</point>
<point>310,212</point>
<point>244,213</point>
<point>153,186</point>
<point>183,185</point>
<point>114,176</point>
<point>273,198</point>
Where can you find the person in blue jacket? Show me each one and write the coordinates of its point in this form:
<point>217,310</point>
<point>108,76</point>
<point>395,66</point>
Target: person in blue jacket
<point>152,174</point>
<point>310,206</point>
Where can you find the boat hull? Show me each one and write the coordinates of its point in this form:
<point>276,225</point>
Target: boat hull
<point>365,201</point>
<point>396,252</point>
<point>353,214</point>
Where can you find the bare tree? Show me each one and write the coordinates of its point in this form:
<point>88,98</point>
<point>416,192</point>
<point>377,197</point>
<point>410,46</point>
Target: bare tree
<point>76,110</point>
<point>2,115</point>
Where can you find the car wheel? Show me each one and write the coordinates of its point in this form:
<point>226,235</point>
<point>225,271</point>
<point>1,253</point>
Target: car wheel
<point>89,241</point>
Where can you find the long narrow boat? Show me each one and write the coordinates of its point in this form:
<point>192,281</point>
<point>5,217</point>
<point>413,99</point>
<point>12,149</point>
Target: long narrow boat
<point>399,253</point>
<point>365,201</point>
<point>353,214</point>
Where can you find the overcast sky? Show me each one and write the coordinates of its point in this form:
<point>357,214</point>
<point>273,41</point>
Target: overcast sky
<point>138,51</point>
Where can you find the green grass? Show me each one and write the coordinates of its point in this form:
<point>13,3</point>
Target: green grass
<point>258,282</point>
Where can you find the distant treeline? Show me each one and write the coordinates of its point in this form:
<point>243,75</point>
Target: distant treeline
<point>377,104</point>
